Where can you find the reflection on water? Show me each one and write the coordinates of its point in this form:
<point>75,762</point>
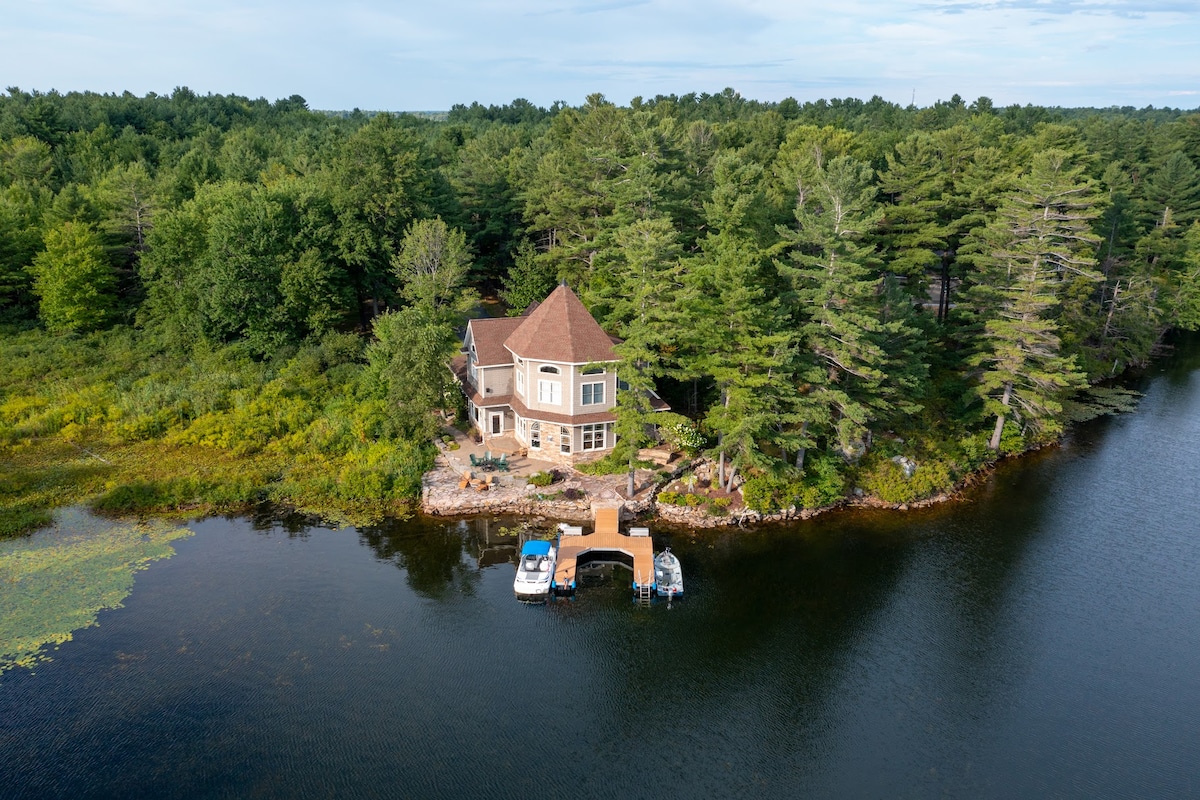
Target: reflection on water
<point>1039,638</point>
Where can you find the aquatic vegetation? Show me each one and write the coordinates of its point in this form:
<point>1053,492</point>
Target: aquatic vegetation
<point>1099,401</point>
<point>56,582</point>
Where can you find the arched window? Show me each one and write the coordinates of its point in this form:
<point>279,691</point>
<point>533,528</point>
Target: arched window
<point>549,369</point>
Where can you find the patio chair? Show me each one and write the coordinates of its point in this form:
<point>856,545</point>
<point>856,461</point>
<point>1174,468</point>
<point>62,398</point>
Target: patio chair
<point>474,460</point>
<point>502,464</point>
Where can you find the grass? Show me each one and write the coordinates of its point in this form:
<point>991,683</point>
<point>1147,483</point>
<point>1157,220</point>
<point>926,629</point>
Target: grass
<point>110,421</point>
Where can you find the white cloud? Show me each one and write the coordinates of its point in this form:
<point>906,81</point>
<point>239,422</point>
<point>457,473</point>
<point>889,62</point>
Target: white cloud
<point>376,54</point>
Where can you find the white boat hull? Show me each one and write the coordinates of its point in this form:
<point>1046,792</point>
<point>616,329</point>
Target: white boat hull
<point>668,575</point>
<point>535,573</point>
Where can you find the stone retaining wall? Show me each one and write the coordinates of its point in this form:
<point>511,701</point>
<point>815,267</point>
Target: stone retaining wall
<point>511,495</point>
<point>698,517</point>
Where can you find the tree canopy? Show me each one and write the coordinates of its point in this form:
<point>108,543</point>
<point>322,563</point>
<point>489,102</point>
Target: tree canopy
<point>819,285</point>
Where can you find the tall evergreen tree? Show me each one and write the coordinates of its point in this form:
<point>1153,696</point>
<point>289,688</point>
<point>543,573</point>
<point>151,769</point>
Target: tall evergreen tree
<point>1171,192</point>
<point>742,341</point>
<point>844,383</point>
<point>647,314</point>
<point>913,238</point>
<point>1040,240</point>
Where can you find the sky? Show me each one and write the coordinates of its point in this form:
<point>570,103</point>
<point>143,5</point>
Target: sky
<point>426,55</point>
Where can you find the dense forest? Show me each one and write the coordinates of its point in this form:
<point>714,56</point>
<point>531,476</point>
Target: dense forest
<point>208,301</point>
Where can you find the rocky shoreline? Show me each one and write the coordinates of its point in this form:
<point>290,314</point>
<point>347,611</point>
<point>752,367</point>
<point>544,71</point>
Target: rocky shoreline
<point>574,500</point>
<point>570,500</point>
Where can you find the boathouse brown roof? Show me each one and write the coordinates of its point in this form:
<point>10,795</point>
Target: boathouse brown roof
<point>561,329</point>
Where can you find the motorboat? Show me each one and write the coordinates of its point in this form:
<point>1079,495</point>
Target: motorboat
<point>535,569</point>
<point>668,574</point>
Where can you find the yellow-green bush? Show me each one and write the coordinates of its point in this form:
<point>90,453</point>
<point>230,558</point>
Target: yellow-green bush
<point>886,480</point>
<point>137,430</point>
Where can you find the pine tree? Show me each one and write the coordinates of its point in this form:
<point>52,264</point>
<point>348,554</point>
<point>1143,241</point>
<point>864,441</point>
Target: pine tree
<point>1040,239</point>
<point>836,299</point>
<point>913,238</point>
<point>647,315</point>
<point>741,337</point>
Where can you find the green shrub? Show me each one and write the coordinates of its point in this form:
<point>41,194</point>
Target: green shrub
<point>668,498</point>
<point>767,494</point>
<point>821,484</point>
<point>1012,442</point>
<point>719,506</point>
<point>681,433</point>
<point>886,480</point>
<point>609,465</point>
<point>541,479</point>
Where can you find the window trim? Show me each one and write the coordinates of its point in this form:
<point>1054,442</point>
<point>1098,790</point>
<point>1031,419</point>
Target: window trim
<point>595,436</point>
<point>584,393</point>
<point>549,392</point>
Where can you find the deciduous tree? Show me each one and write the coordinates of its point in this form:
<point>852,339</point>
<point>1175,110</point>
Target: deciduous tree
<point>73,280</point>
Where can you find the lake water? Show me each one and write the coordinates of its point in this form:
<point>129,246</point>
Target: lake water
<point>1039,639</point>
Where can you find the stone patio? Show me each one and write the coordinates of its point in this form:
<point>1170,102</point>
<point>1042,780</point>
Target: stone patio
<point>519,466</point>
<point>510,491</point>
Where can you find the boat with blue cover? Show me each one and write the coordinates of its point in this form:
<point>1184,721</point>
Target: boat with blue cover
<point>535,569</point>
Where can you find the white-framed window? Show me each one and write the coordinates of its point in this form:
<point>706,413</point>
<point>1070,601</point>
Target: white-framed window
<point>593,436</point>
<point>521,382</point>
<point>622,385</point>
<point>592,371</point>
<point>550,392</point>
<point>593,394</point>
<point>472,373</point>
<point>564,438</point>
<point>549,370</point>
<point>535,436</point>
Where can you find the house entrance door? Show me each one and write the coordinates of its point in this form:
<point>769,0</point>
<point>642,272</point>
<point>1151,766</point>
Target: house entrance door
<point>497,424</point>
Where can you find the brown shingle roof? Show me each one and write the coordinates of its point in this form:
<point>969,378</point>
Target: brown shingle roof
<point>489,334</point>
<point>562,330</point>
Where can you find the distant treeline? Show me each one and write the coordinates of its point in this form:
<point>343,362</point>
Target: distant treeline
<point>821,286</point>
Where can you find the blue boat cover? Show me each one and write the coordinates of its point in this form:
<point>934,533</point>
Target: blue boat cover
<point>536,549</point>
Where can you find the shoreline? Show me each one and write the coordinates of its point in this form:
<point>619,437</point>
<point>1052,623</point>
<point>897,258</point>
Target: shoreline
<point>441,497</point>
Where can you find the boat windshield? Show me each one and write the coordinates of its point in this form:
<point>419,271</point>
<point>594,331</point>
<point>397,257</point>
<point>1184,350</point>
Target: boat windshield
<point>535,564</point>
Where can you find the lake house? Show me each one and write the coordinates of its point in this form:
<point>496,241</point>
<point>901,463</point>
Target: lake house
<point>545,379</point>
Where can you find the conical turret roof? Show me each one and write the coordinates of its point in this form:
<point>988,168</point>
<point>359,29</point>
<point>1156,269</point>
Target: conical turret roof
<point>561,329</point>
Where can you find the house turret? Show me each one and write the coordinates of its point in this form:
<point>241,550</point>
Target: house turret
<point>547,379</point>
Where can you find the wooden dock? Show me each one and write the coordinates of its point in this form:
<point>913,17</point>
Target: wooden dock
<point>607,538</point>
